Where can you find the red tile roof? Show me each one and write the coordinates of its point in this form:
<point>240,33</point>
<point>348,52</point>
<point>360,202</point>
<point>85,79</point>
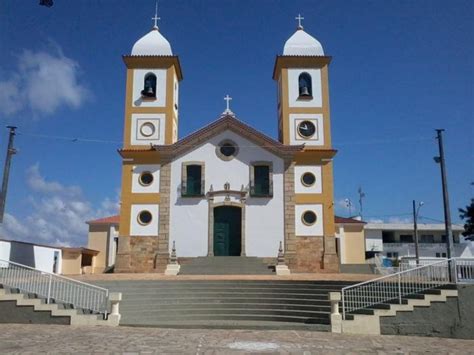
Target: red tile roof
<point>344,220</point>
<point>106,220</point>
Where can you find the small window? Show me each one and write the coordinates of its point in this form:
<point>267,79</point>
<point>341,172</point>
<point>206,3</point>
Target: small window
<point>427,238</point>
<point>388,237</point>
<point>395,254</point>
<point>308,179</point>
<point>305,86</point>
<point>146,178</point>
<point>149,86</point>
<point>438,255</point>
<point>407,238</point>
<point>309,218</point>
<point>389,255</point>
<point>443,255</point>
<point>144,217</point>
<point>193,180</point>
<point>261,176</point>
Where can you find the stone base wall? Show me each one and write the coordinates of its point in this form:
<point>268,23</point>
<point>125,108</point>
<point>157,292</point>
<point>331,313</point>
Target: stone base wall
<point>310,257</point>
<point>139,254</point>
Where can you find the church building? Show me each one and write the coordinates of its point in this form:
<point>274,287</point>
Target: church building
<point>227,189</point>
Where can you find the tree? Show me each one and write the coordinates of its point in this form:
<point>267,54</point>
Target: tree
<point>467,214</point>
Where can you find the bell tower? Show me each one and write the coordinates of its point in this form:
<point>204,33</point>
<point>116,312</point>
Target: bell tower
<point>301,74</point>
<point>152,91</point>
<point>303,95</point>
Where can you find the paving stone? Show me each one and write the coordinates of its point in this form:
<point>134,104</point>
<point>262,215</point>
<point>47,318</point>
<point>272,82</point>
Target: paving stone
<point>35,339</point>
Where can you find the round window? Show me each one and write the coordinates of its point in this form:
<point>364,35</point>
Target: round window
<point>308,179</point>
<point>227,150</point>
<point>146,178</point>
<point>147,129</point>
<point>309,218</point>
<point>144,217</point>
<point>306,129</point>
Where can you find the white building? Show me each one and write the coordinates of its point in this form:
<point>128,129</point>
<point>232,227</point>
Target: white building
<point>42,257</point>
<point>396,240</point>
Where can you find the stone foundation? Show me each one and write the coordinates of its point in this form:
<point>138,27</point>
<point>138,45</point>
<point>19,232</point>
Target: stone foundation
<point>139,254</point>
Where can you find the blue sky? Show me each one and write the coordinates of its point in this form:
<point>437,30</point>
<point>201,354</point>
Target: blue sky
<point>400,69</point>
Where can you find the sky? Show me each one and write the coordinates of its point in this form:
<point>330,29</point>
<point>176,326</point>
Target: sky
<point>400,69</point>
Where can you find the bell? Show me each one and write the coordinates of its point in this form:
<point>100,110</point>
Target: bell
<point>304,91</point>
<point>148,92</point>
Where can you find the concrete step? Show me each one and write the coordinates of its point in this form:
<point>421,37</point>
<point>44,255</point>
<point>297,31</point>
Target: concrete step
<point>232,324</point>
<point>130,320</point>
<point>223,265</point>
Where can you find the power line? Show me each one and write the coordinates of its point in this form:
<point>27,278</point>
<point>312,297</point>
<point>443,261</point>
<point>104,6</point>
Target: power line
<point>69,139</point>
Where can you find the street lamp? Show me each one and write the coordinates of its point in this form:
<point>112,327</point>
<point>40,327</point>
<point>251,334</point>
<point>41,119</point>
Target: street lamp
<point>415,228</point>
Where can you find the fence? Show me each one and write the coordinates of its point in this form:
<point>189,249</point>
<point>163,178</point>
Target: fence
<point>54,287</point>
<point>393,287</point>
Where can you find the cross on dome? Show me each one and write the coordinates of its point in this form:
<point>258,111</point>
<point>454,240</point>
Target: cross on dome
<point>156,18</point>
<point>299,18</point>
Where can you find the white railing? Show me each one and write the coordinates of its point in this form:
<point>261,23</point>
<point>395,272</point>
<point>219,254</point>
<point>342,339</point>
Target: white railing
<point>54,287</point>
<point>464,270</point>
<point>393,287</point>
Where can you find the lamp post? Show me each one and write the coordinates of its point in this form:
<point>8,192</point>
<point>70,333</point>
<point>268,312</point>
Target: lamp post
<point>416,210</point>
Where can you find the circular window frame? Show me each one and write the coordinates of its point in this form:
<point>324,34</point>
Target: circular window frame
<point>140,178</point>
<point>148,124</point>
<point>142,223</point>
<point>298,129</point>
<point>306,223</point>
<point>304,183</point>
<point>225,157</point>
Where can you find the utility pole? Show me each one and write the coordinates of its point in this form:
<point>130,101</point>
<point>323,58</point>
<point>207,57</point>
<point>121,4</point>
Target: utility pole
<point>6,171</point>
<point>415,230</point>
<point>447,214</point>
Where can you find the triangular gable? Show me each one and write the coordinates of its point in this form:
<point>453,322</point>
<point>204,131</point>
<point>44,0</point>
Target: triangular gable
<point>228,122</point>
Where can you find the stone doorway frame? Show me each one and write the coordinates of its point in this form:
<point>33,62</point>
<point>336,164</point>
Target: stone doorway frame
<point>242,196</point>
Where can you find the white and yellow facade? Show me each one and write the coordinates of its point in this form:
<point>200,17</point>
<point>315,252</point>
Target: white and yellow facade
<point>226,189</point>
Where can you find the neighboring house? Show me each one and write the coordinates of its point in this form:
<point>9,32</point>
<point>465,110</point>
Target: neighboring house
<point>227,189</point>
<point>103,237</point>
<point>54,259</point>
<point>350,240</point>
<point>396,240</point>
<point>42,257</point>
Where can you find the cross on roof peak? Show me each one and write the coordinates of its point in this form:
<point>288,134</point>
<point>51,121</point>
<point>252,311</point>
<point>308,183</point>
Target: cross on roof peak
<point>227,98</point>
<point>156,18</point>
<point>299,18</point>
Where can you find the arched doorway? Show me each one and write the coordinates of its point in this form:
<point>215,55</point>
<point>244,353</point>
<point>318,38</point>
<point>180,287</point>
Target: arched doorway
<point>227,231</point>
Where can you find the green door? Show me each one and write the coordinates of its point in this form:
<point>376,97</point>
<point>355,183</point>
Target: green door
<point>227,231</point>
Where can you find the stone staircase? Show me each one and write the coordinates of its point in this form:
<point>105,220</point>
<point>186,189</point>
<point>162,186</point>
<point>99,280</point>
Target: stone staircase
<point>226,304</point>
<point>368,320</point>
<point>18,307</point>
<point>226,265</point>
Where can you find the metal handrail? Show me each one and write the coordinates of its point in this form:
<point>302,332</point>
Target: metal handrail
<point>395,286</point>
<point>54,287</point>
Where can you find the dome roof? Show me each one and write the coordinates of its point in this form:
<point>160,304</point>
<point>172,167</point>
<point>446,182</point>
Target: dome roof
<point>153,43</point>
<point>302,43</point>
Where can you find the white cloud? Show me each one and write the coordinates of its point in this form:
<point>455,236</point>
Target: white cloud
<point>43,82</point>
<point>59,213</point>
<point>399,220</point>
<point>375,220</point>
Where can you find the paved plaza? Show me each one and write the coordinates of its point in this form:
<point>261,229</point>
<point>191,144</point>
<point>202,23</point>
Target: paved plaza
<point>37,339</point>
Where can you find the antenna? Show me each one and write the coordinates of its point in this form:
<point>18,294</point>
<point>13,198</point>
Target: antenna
<point>361,196</point>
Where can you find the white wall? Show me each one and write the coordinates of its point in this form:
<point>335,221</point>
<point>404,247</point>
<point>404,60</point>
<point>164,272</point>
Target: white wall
<point>293,88</point>
<point>316,119</point>
<point>44,259</point>
<point>373,240</point>
<point>264,216</point>
<point>301,229</point>
<point>317,187</point>
<point>151,229</point>
<point>138,84</point>
<point>38,257</point>
<point>154,187</point>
